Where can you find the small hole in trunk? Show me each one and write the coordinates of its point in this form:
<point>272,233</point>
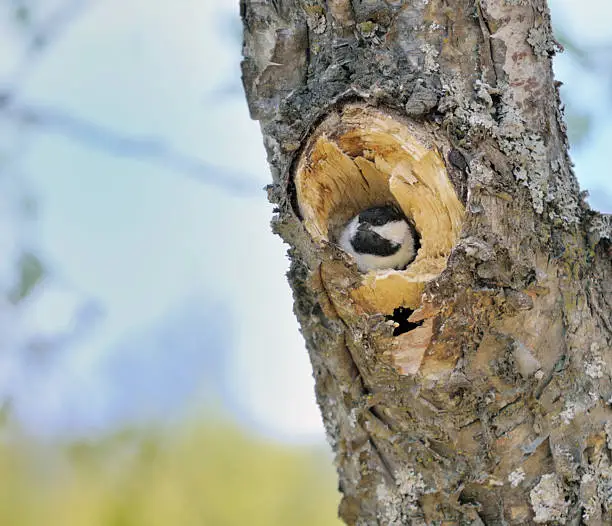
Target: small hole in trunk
<point>400,316</point>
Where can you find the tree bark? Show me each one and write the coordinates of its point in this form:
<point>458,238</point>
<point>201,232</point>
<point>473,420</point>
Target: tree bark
<point>485,398</point>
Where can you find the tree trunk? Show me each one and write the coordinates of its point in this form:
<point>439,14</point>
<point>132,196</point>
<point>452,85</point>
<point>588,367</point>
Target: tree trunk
<point>473,387</point>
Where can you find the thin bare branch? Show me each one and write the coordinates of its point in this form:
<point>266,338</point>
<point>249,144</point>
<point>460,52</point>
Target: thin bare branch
<point>43,34</point>
<point>147,148</point>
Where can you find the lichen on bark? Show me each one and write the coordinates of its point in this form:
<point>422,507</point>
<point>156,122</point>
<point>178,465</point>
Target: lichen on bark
<point>495,409</point>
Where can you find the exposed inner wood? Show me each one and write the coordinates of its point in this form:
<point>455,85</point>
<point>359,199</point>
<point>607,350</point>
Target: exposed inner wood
<point>364,158</point>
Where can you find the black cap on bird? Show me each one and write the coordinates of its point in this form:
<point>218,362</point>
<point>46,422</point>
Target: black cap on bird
<point>379,238</point>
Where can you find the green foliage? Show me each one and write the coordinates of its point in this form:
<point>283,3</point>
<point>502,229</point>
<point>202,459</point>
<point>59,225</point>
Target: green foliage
<point>202,476</point>
<point>21,11</point>
<point>31,271</point>
<point>22,14</point>
<point>578,126</point>
<point>571,47</point>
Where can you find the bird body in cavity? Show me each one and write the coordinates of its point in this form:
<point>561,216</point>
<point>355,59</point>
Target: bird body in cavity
<point>380,238</point>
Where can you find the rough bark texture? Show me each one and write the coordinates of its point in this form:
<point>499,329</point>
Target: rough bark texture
<point>495,407</point>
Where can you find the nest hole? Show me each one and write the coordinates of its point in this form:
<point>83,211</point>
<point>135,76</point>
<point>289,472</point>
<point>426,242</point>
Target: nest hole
<point>400,318</point>
<point>359,158</point>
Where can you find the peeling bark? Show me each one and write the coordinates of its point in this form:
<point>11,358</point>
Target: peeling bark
<point>493,407</point>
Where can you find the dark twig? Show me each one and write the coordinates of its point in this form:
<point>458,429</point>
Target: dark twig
<point>43,34</point>
<point>149,148</point>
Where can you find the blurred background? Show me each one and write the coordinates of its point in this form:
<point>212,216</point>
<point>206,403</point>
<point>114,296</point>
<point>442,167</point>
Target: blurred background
<point>151,369</point>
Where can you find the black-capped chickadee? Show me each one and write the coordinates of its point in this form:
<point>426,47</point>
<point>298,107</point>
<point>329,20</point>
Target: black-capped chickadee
<point>380,238</point>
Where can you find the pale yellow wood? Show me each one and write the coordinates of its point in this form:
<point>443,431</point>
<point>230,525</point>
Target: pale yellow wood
<point>365,158</point>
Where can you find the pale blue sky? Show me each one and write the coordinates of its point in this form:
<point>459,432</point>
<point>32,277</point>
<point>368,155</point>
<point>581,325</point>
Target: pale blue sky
<point>146,242</point>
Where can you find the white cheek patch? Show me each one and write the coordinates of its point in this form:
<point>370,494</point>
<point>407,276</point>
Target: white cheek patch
<point>395,231</point>
<point>398,232</point>
<point>347,234</point>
